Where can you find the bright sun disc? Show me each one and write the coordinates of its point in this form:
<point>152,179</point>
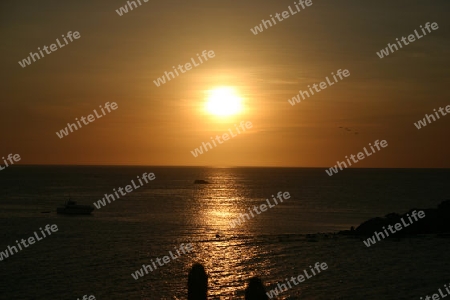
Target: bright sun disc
<point>223,102</point>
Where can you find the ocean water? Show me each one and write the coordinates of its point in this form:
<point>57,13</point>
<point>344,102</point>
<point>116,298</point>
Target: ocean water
<point>96,255</point>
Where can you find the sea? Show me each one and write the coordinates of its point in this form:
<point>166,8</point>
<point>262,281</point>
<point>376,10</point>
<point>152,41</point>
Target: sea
<point>96,254</point>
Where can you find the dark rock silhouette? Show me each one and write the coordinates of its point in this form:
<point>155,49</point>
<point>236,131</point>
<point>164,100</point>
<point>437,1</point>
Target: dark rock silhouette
<point>436,221</point>
<point>200,181</point>
<point>197,283</point>
<point>255,290</point>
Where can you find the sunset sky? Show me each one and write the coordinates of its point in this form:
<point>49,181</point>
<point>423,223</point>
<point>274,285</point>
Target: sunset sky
<point>118,57</point>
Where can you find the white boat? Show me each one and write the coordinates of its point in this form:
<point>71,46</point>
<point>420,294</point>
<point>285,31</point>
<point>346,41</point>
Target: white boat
<point>72,208</point>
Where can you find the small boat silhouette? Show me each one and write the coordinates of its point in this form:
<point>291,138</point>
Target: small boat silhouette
<point>200,181</point>
<point>72,208</point>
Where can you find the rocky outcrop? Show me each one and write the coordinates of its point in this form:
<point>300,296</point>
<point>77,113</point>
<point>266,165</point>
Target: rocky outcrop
<point>436,221</point>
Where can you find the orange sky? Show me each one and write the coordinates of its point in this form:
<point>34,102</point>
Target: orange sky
<point>117,58</point>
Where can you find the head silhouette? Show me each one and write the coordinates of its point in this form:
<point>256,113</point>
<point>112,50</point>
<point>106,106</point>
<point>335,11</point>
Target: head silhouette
<point>255,290</point>
<point>197,283</point>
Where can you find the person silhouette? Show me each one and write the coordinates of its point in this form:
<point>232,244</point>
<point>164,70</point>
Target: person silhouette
<point>197,283</point>
<point>255,290</point>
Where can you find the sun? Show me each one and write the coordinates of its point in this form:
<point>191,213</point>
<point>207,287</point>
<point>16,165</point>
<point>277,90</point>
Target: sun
<point>223,101</point>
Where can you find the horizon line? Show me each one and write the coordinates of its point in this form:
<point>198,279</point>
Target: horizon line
<point>217,167</point>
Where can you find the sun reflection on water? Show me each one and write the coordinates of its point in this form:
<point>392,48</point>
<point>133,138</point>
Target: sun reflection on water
<point>219,247</point>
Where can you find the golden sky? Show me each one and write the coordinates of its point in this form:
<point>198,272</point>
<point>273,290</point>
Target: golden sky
<point>117,58</point>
